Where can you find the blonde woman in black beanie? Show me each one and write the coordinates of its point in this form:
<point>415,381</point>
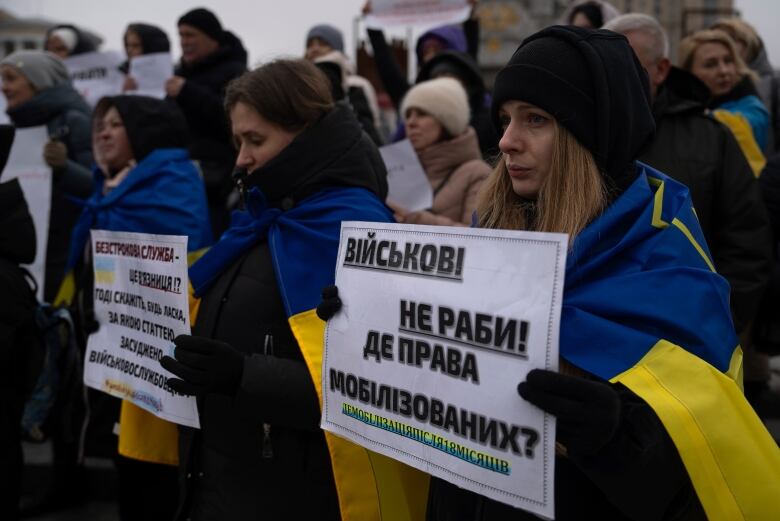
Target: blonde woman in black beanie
<point>651,423</point>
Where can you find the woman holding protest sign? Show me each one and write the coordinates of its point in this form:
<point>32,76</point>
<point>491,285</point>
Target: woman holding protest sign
<point>141,39</point>
<point>649,358</point>
<point>39,92</point>
<point>145,182</point>
<point>254,359</point>
<point>436,118</point>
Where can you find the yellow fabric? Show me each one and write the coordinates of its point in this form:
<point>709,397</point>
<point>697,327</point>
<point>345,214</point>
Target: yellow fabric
<point>732,460</point>
<point>658,222</point>
<point>740,128</point>
<point>144,436</point>
<point>370,486</point>
<point>67,290</point>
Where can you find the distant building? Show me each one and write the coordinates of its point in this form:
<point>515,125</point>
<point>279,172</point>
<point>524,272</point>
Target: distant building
<point>504,23</point>
<point>21,33</point>
<point>27,33</point>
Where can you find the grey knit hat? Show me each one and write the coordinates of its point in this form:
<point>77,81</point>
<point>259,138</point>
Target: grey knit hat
<point>42,69</point>
<point>328,34</point>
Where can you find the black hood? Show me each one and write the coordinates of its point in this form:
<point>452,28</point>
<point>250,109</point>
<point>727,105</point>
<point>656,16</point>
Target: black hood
<point>153,39</point>
<point>333,152</point>
<point>17,232</point>
<point>461,66</point>
<point>230,50</point>
<point>680,93</point>
<point>593,84</point>
<point>48,104</point>
<point>84,42</point>
<point>150,123</point>
<point>7,133</point>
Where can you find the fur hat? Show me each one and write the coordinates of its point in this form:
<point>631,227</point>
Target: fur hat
<point>443,98</point>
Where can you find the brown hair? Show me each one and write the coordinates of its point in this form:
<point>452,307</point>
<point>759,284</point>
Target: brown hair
<point>741,32</point>
<point>292,94</point>
<point>689,45</point>
<point>572,195</point>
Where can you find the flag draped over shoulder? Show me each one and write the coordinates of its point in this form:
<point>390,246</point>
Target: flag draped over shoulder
<point>162,195</point>
<point>643,306</point>
<point>304,246</point>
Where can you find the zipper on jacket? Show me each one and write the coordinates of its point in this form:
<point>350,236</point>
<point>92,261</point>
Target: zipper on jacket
<point>267,449</point>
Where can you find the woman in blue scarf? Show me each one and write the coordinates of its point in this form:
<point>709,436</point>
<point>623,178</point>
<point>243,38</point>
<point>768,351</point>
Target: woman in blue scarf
<point>146,183</point>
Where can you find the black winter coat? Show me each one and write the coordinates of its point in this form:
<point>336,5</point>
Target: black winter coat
<point>68,119</point>
<point>261,453</point>
<point>201,100</point>
<point>19,344</point>
<point>695,149</point>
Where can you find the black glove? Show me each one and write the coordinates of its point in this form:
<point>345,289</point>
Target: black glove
<point>588,411</point>
<point>204,365</point>
<point>330,303</point>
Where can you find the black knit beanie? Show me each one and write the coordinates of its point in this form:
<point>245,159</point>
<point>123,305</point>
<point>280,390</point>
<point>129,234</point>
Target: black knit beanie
<point>594,86</point>
<point>205,21</point>
<point>551,74</point>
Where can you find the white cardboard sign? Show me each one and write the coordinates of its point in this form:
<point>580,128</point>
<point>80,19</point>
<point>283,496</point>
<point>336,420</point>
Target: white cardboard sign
<point>392,13</point>
<point>150,72</point>
<point>437,328</point>
<point>141,304</point>
<point>96,74</point>
<point>407,184</point>
<point>26,163</point>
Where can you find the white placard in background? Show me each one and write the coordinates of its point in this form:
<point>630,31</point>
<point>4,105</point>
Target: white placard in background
<point>407,184</point>
<point>26,162</point>
<point>96,74</point>
<point>141,304</point>
<point>437,328</point>
<point>391,13</point>
<point>150,72</point>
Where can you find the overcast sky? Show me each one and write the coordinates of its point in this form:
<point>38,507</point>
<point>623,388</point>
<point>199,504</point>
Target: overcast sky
<point>269,28</point>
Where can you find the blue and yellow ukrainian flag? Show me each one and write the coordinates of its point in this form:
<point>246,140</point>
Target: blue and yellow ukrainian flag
<point>643,306</point>
<point>162,195</point>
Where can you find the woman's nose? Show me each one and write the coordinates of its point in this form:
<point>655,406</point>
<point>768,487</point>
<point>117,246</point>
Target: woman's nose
<point>244,160</point>
<point>510,141</point>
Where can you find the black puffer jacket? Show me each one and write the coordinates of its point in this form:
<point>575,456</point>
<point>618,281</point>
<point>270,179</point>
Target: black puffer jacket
<point>201,100</point>
<point>262,454</point>
<point>696,150</point>
<point>68,119</point>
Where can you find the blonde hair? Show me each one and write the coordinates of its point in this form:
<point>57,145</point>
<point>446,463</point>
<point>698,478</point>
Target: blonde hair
<point>691,43</point>
<point>741,32</point>
<point>570,197</point>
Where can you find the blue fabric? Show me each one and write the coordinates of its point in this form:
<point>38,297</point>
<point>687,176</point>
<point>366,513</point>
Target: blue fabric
<point>163,195</point>
<point>304,241</point>
<point>755,112</point>
<point>630,284</point>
